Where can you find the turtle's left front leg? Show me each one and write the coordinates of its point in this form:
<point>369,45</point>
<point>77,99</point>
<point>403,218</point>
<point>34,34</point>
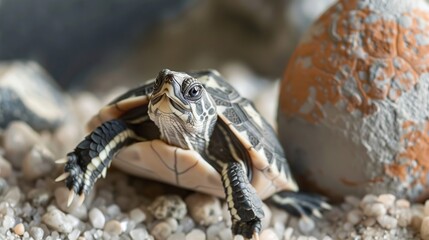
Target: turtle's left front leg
<point>244,204</point>
<point>93,155</point>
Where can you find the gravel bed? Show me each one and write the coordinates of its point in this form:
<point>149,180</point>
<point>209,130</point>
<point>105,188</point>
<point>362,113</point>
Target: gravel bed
<point>33,206</point>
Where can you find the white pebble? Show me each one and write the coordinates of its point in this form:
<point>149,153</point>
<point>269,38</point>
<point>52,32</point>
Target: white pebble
<point>424,229</point>
<point>38,162</point>
<point>204,209</point>
<point>19,138</point>
<point>139,233</point>
<point>369,222</point>
<point>402,203</point>
<point>387,200</point>
<point>354,216</point>
<point>5,168</point>
<point>426,208</point>
<point>37,233</point>
<point>168,206</point>
<point>19,229</point>
<point>268,234</point>
<point>97,218</point>
<point>8,222</point>
<point>13,196</point>
<point>225,234</point>
<point>374,209</point>
<point>196,234</point>
<point>113,227</point>
<point>57,220</point>
<point>352,200</point>
<point>113,210</point>
<point>137,215</point>
<point>387,222</point>
<point>177,236</point>
<point>288,233</point>
<point>404,217</point>
<point>306,224</point>
<point>74,234</point>
<point>368,199</point>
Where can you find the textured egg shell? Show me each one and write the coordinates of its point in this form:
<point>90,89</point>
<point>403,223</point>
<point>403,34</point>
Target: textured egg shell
<point>354,101</point>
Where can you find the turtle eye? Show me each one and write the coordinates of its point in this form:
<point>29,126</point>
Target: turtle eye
<point>194,92</point>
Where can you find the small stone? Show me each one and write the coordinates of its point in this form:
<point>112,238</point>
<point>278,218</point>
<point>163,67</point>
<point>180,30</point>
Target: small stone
<point>113,227</point>
<point>416,222</point>
<point>213,231</point>
<point>196,234</point>
<point>74,234</point>
<point>387,221</point>
<point>37,163</point>
<point>204,209</point>
<point>387,200</point>
<point>5,168</point>
<point>161,231</point>
<point>288,233</point>
<point>369,222</point>
<point>268,234</point>
<point>369,198</point>
<point>187,224</point>
<point>139,233</point>
<point>404,218</point>
<point>306,224</point>
<point>354,216</point>
<point>168,206</point>
<point>352,200</point>
<point>97,218</point>
<point>426,208</point>
<point>19,229</point>
<point>13,196</point>
<point>225,234</point>
<point>8,222</point>
<point>178,236</point>
<point>402,203</point>
<point>36,233</point>
<point>57,220</point>
<point>424,229</point>
<point>19,138</point>
<point>374,209</point>
<point>137,215</point>
<point>113,210</point>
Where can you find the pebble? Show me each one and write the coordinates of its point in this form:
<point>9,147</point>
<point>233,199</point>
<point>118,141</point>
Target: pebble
<point>196,234</point>
<point>388,200</point>
<point>19,138</point>
<point>306,224</point>
<point>374,209</point>
<point>424,229</point>
<point>268,234</point>
<point>387,221</point>
<point>161,231</point>
<point>187,224</point>
<point>426,208</point>
<point>96,217</point>
<point>137,215</point>
<point>204,209</point>
<point>8,222</point>
<point>139,233</point>
<point>288,233</point>
<point>74,234</point>
<point>402,203</point>
<point>57,220</point>
<point>13,196</point>
<point>5,168</point>
<point>354,216</point>
<point>113,227</point>
<point>404,218</point>
<point>37,233</point>
<point>37,163</point>
<point>178,236</point>
<point>168,206</point>
<point>19,229</point>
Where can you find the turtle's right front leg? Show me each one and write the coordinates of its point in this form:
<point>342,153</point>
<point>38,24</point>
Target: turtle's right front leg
<point>92,156</point>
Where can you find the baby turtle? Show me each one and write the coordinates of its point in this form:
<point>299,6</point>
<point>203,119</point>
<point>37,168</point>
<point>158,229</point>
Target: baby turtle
<point>193,130</point>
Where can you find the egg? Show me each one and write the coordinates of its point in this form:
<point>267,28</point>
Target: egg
<point>354,101</point>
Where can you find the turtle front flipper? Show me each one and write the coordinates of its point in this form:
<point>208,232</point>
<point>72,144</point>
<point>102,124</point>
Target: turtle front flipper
<point>243,203</point>
<point>92,156</point>
<point>300,204</point>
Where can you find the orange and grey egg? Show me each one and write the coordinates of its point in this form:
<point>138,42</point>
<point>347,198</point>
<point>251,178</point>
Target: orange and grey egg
<point>354,107</point>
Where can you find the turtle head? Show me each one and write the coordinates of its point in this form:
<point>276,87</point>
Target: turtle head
<point>182,109</point>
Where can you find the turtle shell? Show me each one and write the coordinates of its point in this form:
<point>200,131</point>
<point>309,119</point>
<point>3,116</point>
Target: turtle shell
<point>267,169</point>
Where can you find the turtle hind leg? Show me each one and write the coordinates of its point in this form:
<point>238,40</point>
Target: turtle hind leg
<point>93,155</point>
<point>300,204</point>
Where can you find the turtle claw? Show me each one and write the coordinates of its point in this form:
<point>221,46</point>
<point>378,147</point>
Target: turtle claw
<point>70,198</point>
<point>62,177</point>
<point>326,206</point>
<point>61,161</point>
<point>255,236</point>
<point>81,199</point>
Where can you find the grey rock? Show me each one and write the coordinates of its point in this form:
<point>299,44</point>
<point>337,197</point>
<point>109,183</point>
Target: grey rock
<point>27,93</point>
<point>97,218</point>
<point>57,220</point>
<point>168,206</point>
<point>37,163</point>
<point>36,233</point>
<point>139,233</point>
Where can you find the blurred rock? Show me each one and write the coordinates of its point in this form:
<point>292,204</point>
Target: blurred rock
<point>19,138</point>
<point>168,206</point>
<point>37,163</point>
<point>204,209</point>
<point>28,93</point>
